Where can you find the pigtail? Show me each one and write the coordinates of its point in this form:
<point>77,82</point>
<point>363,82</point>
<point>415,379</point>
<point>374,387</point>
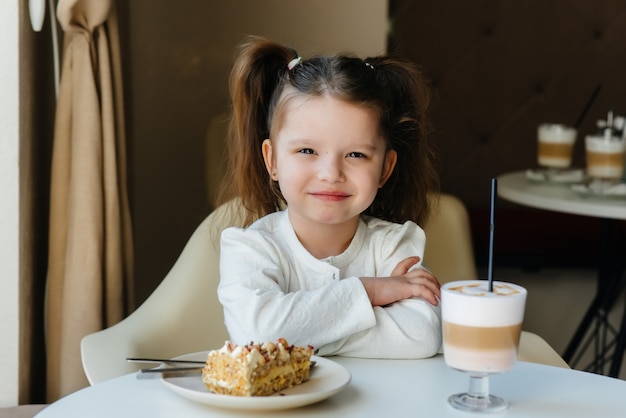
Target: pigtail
<point>259,70</point>
<point>407,195</point>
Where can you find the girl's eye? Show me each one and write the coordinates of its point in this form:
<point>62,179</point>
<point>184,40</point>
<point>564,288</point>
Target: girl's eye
<point>306,151</point>
<point>356,155</point>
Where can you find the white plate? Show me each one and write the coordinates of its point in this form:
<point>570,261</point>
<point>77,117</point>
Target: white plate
<point>327,378</point>
<point>556,176</point>
<point>598,189</point>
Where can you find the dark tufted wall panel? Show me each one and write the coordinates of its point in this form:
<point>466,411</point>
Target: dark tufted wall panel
<point>500,67</point>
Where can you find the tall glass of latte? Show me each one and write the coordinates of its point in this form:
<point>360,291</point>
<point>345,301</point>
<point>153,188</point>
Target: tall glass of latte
<point>481,332</point>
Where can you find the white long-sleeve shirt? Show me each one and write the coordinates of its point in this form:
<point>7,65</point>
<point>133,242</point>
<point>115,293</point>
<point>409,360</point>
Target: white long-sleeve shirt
<point>272,287</point>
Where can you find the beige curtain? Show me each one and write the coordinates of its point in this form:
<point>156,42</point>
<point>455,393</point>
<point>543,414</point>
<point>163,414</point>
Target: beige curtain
<point>90,256</point>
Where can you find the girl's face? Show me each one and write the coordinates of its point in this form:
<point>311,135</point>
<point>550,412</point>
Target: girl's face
<point>329,159</point>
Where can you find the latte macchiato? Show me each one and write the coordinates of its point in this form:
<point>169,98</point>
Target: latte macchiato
<point>605,157</point>
<point>481,329</point>
<point>555,143</point>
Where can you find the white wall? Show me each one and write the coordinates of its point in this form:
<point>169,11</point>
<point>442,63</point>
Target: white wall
<point>9,203</point>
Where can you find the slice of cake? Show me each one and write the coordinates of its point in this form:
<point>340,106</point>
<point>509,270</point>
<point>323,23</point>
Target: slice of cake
<point>256,369</point>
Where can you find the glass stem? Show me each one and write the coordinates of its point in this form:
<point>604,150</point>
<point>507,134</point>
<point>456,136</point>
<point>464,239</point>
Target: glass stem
<point>479,387</point>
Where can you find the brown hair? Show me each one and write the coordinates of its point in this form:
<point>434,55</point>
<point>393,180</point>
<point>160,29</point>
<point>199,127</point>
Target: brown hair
<point>396,89</point>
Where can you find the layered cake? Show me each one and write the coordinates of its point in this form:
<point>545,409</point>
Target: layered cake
<point>256,369</point>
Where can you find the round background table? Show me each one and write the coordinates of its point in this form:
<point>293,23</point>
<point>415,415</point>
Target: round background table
<point>594,328</point>
<point>558,197</point>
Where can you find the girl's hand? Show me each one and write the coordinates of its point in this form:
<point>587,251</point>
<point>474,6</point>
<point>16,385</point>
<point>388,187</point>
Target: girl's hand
<point>403,284</point>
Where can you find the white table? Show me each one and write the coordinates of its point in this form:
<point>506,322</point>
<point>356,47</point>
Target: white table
<point>379,388</point>
<point>557,197</point>
<point>560,197</point>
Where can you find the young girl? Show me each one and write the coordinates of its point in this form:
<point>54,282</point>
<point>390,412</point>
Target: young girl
<point>332,153</point>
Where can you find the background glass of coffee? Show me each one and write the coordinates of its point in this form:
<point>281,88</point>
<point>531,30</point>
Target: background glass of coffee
<point>605,157</point>
<point>555,143</point>
<point>481,332</point>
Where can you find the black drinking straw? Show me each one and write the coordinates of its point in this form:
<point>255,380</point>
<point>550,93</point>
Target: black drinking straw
<point>580,119</point>
<point>492,227</point>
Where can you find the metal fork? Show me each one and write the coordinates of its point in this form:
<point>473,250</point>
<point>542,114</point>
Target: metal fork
<point>179,371</point>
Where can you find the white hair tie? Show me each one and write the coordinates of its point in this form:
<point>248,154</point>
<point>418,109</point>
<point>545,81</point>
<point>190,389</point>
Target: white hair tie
<point>293,63</point>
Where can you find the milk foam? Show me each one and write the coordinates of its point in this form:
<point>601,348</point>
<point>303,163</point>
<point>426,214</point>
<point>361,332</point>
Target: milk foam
<point>604,145</point>
<point>469,302</point>
<point>549,132</point>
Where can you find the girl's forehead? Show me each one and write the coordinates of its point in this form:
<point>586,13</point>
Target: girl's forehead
<point>307,107</point>
<point>326,120</point>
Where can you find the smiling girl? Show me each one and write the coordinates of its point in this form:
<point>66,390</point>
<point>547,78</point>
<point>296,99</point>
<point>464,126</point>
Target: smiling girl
<point>332,154</point>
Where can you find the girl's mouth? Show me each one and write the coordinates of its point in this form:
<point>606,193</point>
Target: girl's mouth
<point>330,195</point>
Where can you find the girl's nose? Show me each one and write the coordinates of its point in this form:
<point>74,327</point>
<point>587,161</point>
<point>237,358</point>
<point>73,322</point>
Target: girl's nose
<point>330,169</point>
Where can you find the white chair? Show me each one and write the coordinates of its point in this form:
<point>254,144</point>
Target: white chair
<point>449,253</point>
<point>183,314</point>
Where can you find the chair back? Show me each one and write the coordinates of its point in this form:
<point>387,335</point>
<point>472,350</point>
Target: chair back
<point>449,253</point>
<point>182,315</point>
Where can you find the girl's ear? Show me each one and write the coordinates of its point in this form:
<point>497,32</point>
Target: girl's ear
<point>268,157</point>
<point>391,157</point>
